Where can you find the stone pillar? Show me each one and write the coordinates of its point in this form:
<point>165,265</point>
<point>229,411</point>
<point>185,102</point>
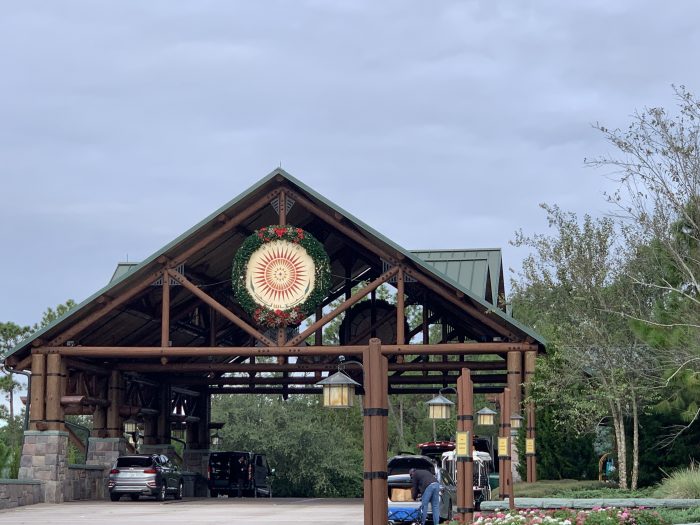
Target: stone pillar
<point>196,460</point>
<point>44,459</point>
<point>103,452</point>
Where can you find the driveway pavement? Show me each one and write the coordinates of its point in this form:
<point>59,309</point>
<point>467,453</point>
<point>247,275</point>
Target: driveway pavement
<point>220,511</point>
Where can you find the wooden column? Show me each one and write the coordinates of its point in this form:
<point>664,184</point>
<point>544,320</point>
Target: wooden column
<point>165,312</point>
<point>515,382</point>
<point>99,416</point>
<point>530,358</point>
<point>400,309</point>
<point>283,208</point>
<point>37,412</point>
<point>505,477</point>
<point>150,431</point>
<point>116,395</point>
<point>376,411</point>
<point>164,415</point>
<point>54,410</point>
<point>465,466</point>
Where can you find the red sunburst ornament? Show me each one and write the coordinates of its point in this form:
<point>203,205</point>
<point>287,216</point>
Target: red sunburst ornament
<point>280,275</point>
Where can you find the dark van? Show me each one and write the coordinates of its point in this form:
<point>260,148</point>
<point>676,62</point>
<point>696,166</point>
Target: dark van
<point>239,474</point>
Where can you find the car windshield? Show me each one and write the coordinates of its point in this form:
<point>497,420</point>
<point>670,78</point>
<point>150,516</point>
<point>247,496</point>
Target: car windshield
<point>126,462</point>
<point>403,465</point>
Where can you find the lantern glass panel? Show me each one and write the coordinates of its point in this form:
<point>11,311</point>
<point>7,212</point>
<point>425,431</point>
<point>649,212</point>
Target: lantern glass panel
<point>338,396</point>
<point>439,411</point>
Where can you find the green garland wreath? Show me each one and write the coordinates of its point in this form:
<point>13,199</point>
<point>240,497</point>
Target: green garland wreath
<point>322,276</point>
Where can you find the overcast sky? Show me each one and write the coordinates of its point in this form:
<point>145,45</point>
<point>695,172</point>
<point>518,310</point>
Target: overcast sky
<point>440,123</point>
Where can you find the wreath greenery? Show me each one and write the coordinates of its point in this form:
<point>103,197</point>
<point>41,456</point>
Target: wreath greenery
<point>322,276</point>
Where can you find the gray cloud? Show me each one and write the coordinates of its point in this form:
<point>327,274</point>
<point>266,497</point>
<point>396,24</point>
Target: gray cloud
<point>124,123</point>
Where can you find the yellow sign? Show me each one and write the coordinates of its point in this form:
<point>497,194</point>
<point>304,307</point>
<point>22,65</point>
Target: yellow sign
<point>503,448</point>
<point>529,445</point>
<point>463,449</point>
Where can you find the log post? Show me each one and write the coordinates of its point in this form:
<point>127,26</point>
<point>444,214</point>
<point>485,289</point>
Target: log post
<point>376,411</point>
<point>165,313</point>
<point>514,381</point>
<point>400,309</point>
<point>37,412</point>
<point>465,465</point>
<point>164,415</point>
<point>505,475</point>
<point>530,358</point>
<point>116,394</point>
<point>54,381</point>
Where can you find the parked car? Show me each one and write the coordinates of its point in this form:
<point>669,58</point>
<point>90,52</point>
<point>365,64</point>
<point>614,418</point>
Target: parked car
<point>239,474</point>
<point>145,475</point>
<point>402,507</point>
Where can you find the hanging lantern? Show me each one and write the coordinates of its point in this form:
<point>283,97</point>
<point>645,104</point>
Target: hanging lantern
<point>439,407</point>
<point>338,390</point>
<point>516,421</point>
<point>486,417</point>
<point>130,426</point>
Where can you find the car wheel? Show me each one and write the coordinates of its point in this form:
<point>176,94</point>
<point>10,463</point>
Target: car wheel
<point>115,497</point>
<point>134,497</point>
<point>161,493</point>
<point>180,490</point>
<point>213,494</point>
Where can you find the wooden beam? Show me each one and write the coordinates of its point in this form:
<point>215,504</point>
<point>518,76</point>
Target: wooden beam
<point>112,352</point>
<point>311,380</point>
<point>83,400</point>
<point>226,226</point>
<point>228,314</point>
<point>451,297</point>
<point>165,312</point>
<point>335,222</point>
<point>106,307</point>
<point>400,308</point>
<point>283,208</point>
<point>344,306</point>
<point>171,368</point>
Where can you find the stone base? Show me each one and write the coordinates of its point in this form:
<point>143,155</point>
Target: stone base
<point>196,460</point>
<point>44,459</point>
<point>105,451</point>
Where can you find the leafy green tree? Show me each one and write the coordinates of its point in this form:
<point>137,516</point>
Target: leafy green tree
<point>596,367</point>
<point>10,335</point>
<point>316,452</point>
<point>656,162</point>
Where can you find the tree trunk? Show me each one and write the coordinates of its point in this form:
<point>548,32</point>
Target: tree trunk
<point>635,442</point>
<point>618,425</point>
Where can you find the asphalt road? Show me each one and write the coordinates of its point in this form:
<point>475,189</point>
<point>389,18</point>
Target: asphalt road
<point>220,511</point>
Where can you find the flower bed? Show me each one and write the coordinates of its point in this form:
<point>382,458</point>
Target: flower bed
<point>596,516</point>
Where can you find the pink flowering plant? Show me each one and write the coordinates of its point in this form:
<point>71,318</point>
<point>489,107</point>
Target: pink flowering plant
<point>595,516</point>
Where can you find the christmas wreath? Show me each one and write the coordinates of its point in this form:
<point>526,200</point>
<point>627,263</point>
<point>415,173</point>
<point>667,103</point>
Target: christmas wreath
<point>241,280</point>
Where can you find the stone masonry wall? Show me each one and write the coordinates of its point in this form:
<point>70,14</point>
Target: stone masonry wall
<point>101,453</point>
<point>15,493</point>
<point>44,459</point>
<point>85,482</point>
<point>196,460</point>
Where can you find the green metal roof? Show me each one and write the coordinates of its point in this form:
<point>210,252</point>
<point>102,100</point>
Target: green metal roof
<point>476,270</point>
<point>143,268</point>
<point>122,269</point>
